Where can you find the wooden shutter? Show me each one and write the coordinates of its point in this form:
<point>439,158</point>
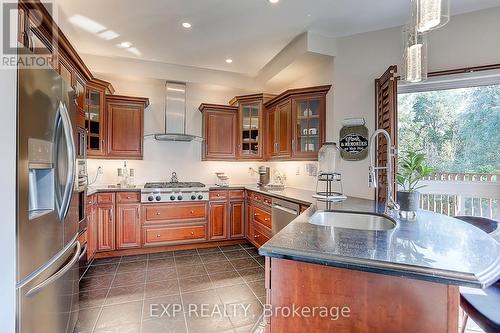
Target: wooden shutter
<point>386,91</point>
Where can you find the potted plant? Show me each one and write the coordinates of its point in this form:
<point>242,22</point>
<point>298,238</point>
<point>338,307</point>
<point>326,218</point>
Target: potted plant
<point>412,169</point>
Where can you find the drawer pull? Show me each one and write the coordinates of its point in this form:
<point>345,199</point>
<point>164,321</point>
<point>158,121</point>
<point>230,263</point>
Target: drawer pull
<point>218,194</point>
<point>267,219</point>
<point>158,236</point>
<point>129,197</point>
<point>191,212</point>
<point>256,236</point>
<point>255,214</point>
<point>192,233</point>
<point>158,213</point>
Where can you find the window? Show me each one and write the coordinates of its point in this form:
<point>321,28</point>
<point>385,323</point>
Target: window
<point>456,122</point>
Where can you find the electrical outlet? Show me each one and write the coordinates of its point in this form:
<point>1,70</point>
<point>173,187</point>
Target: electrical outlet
<point>312,169</point>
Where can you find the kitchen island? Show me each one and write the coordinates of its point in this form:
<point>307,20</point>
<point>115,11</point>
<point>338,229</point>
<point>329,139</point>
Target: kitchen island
<point>400,280</point>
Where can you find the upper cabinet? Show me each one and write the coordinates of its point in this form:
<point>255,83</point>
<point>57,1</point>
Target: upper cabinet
<point>290,126</point>
<point>125,126</point>
<point>296,121</point>
<point>219,127</point>
<point>250,125</point>
<point>95,117</point>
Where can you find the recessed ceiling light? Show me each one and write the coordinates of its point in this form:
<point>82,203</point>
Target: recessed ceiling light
<point>274,1</point>
<point>229,60</point>
<point>186,25</point>
<point>86,23</point>
<point>108,35</point>
<point>125,45</point>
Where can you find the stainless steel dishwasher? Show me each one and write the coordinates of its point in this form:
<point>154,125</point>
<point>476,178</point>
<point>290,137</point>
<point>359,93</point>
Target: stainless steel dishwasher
<point>284,212</point>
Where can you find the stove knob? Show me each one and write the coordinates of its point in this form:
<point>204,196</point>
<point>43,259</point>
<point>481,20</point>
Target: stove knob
<point>172,197</point>
<point>200,197</point>
<point>158,198</point>
<point>179,197</point>
<point>150,198</point>
<point>193,197</point>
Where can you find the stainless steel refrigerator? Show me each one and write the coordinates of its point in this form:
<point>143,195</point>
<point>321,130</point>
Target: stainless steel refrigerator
<point>47,212</point>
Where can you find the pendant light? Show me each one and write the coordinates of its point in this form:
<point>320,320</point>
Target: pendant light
<point>414,55</point>
<point>429,15</point>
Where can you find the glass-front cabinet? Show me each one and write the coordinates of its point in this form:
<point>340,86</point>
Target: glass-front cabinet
<point>94,121</point>
<point>308,120</point>
<point>250,130</point>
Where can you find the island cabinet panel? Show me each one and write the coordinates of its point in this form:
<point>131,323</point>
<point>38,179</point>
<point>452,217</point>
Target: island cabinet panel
<point>125,126</point>
<point>218,222</point>
<point>128,226</point>
<point>219,123</point>
<point>105,227</point>
<point>376,303</point>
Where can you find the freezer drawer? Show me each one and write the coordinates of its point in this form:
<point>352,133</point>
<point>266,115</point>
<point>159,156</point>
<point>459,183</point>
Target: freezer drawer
<point>48,303</point>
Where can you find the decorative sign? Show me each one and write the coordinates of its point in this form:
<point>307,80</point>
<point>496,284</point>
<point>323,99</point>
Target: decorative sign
<point>353,143</point>
<point>353,140</point>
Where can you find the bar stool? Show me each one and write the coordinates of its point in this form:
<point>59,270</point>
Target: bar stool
<point>483,306</point>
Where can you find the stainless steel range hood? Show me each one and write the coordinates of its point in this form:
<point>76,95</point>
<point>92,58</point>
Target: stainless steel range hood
<point>175,114</point>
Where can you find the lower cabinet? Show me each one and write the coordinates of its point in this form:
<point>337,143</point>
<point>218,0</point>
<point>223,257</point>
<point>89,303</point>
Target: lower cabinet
<point>105,227</point>
<point>218,220</point>
<point>128,226</point>
<point>259,219</point>
<point>156,236</point>
<point>91,213</point>
<point>237,219</point>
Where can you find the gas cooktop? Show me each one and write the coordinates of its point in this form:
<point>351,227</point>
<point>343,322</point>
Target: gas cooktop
<point>174,192</point>
<point>168,185</point>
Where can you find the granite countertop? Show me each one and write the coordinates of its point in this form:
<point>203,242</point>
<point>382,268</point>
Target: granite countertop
<point>104,188</point>
<point>433,247</point>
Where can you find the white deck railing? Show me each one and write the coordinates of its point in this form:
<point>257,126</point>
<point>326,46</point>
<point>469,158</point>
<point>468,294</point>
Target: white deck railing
<point>462,194</point>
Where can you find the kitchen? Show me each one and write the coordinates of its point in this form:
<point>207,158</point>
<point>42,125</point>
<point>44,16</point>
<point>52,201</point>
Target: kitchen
<point>199,172</point>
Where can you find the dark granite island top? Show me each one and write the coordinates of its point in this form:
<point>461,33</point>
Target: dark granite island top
<point>433,247</point>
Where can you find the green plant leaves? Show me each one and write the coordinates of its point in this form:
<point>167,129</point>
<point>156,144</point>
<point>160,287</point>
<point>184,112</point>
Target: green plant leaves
<point>412,169</point>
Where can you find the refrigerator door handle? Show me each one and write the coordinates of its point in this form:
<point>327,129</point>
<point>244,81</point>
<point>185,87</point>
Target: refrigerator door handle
<point>57,274</point>
<point>70,146</point>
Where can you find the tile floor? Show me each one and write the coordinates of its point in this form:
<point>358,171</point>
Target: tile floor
<point>218,289</point>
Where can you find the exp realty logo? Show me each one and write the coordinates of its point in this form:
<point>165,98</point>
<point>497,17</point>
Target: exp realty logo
<point>20,45</point>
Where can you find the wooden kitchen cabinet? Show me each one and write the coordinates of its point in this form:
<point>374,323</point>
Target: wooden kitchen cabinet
<point>219,127</point>
<point>91,212</point>
<point>296,122</point>
<point>105,222</point>
<point>217,227</point>
<point>250,125</point>
<point>237,219</point>
<point>125,126</point>
<point>279,131</point>
<point>128,225</point>
<point>95,121</point>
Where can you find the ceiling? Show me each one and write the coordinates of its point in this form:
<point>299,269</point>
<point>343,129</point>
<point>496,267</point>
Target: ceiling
<point>251,32</point>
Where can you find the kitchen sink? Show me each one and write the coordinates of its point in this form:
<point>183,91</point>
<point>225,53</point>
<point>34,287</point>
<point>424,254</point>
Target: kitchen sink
<point>361,221</point>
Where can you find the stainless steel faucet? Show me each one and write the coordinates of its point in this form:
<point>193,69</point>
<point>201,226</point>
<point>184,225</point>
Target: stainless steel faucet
<point>390,203</point>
